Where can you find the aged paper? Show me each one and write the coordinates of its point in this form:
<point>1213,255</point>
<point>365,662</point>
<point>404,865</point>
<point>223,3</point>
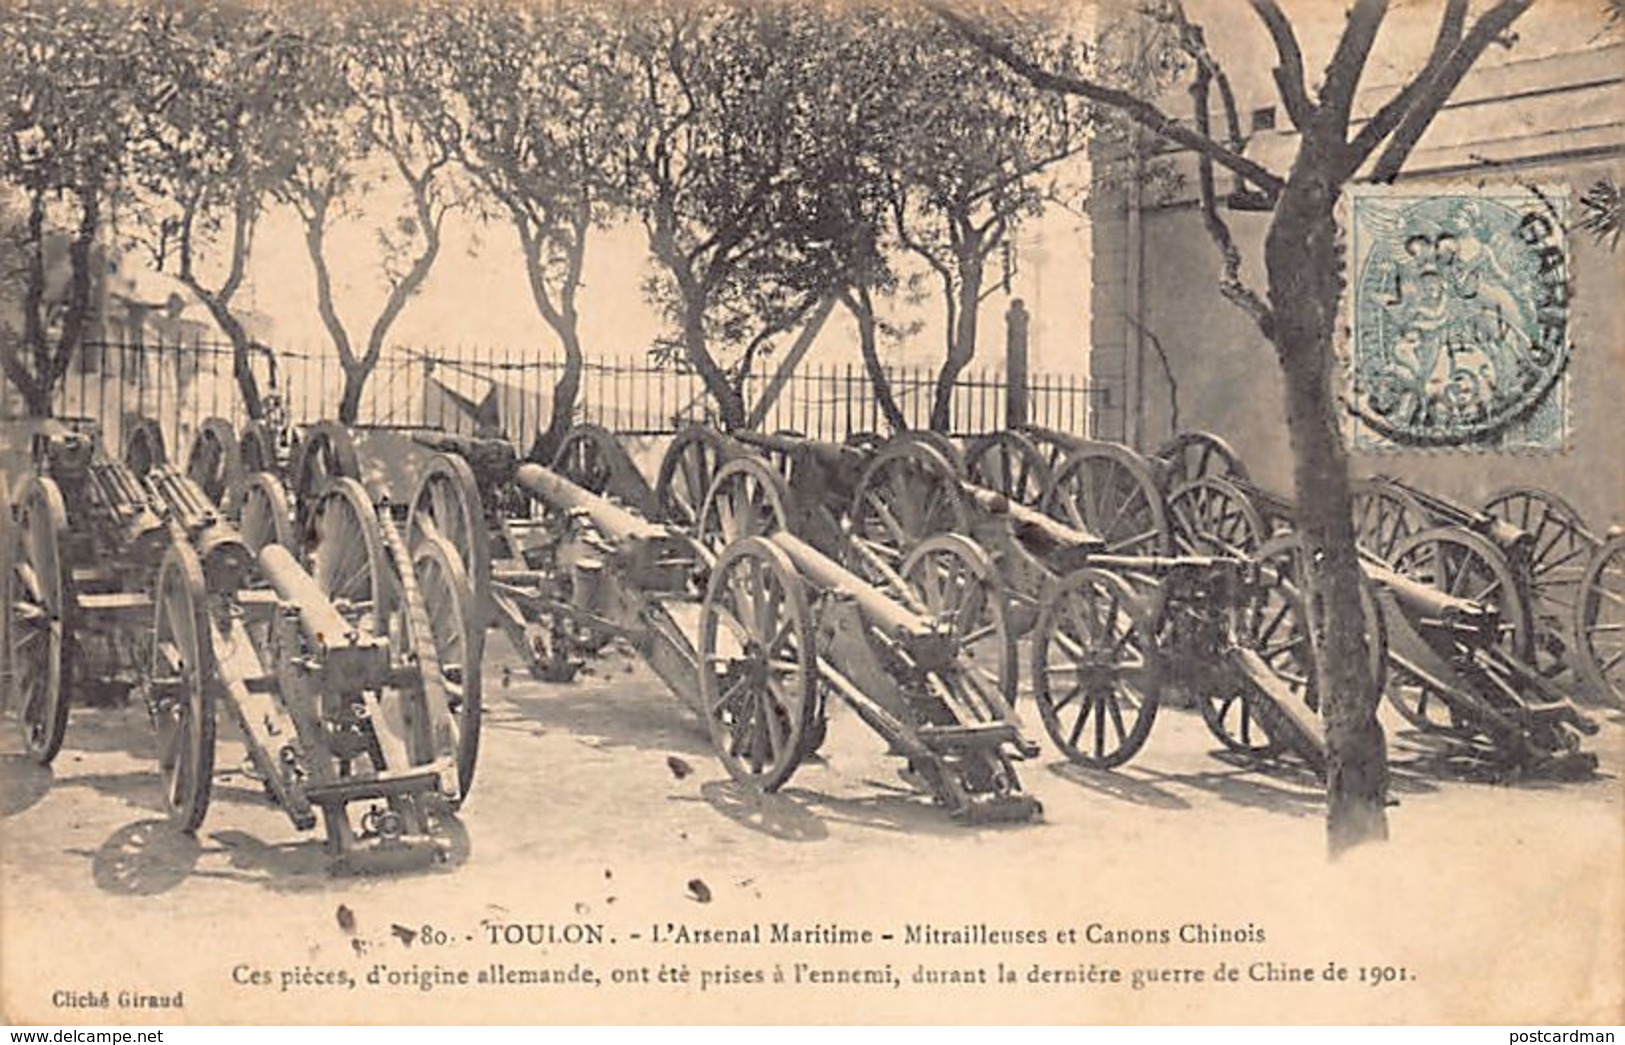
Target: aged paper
<point>606,868</point>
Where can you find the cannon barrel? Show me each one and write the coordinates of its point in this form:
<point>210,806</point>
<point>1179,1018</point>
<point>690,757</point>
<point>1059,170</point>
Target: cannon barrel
<point>141,532</point>
<point>927,644</point>
<point>1052,435</point>
<point>1031,526</point>
<point>347,659</point>
<point>611,519</point>
<point>492,460</point>
<point>833,455</point>
<point>1505,535</point>
<point>185,500</point>
<point>224,555</point>
<point>1427,602</point>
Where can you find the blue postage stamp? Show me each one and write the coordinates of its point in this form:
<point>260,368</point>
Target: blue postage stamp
<point>1457,318</point>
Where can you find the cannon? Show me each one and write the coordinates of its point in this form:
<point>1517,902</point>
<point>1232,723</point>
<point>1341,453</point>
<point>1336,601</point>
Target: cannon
<point>758,632</point>
<point>1444,601</point>
<point>819,478</point>
<point>1114,621</point>
<point>333,668</point>
<point>1599,620</point>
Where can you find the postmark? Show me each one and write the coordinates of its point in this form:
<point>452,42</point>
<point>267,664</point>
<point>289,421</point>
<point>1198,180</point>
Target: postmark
<point>1457,318</point>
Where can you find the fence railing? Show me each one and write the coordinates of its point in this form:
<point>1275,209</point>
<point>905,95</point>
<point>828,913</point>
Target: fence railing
<point>181,384</point>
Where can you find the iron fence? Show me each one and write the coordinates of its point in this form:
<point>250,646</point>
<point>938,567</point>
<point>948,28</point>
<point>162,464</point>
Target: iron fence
<point>182,383</point>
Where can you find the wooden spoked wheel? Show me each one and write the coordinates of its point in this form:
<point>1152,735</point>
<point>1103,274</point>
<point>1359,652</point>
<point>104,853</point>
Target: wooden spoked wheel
<point>1599,625</point>
<point>1110,491</point>
<point>447,504</point>
<point>587,456</point>
<point>1009,463</point>
<point>263,514</point>
<point>144,446</point>
<point>214,462</point>
<point>1464,564</point>
<point>936,441</point>
<point>1385,515</point>
<point>183,681</point>
<point>908,493</point>
<point>747,499</point>
<point>327,452</point>
<point>952,581</point>
<point>459,646</point>
<point>687,471</point>
<point>758,664</point>
<point>1211,516</point>
<point>1053,445</point>
<point>1273,623</point>
<point>1560,549</point>
<point>39,620</point>
<point>1197,455</point>
<point>346,556</point>
<point>1095,676</point>
<point>256,449</point>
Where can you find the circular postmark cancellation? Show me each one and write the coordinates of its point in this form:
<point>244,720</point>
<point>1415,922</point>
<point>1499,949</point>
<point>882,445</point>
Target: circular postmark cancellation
<point>1459,323</point>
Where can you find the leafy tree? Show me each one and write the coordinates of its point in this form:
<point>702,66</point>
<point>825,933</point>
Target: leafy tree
<point>224,134</point>
<point>738,159</point>
<point>67,84</point>
<point>974,151</point>
<point>538,107</point>
<point>375,120</point>
<point>1297,310</point>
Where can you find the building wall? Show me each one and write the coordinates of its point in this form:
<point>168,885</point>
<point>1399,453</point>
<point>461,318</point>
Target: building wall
<point>1540,116</point>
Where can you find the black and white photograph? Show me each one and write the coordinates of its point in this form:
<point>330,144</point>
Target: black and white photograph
<point>806,512</point>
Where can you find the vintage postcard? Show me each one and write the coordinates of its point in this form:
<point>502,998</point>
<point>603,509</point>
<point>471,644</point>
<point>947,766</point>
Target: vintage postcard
<point>812,513</point>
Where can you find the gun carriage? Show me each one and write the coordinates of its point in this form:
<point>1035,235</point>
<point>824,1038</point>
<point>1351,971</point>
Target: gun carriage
<point>333,667</point>
<point>1115,616</point>
<point>1449,600</point>
<point>754,628</point>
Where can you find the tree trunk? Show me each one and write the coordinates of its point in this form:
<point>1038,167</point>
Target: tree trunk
<point>242,365</point>
<point>355,380</point>
<point>566,390</point>
<point>858,302</point>
<point>964,345</point>
<point>1304,286</point>
<point>730,403</point>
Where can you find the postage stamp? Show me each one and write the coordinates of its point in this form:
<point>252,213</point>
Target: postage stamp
<point>1457,317</point>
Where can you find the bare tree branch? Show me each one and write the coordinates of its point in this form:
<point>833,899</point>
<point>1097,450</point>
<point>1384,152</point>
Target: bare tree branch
<point>1231,285</point>
<point>1288,71</point>
<point>1490,27</point>
<point>1134,107</point>
<point>1348,62</point>
<point>1386,118</point>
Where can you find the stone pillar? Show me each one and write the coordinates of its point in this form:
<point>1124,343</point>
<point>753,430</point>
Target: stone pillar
<point>1015,364</point>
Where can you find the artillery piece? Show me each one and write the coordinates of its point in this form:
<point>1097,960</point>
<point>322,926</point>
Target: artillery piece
<point>332,672</point>
<point>779,629</point>
<point>1114,620</point>
<point>819,479</point>
<point>1444,601</point>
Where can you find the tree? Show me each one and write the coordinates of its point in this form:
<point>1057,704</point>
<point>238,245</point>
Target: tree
<point>373,93</point>
<point>971,143</point>
<point>66,76</point>
<point>222,134</point>
<point>539,105</point>
<point>1297,311</point>
<point>738,158</point>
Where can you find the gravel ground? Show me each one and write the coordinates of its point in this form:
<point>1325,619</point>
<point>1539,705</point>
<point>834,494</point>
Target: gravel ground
<point>600,827</point>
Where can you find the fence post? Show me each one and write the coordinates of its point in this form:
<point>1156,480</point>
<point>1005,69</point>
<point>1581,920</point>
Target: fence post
<point>1015,364</point>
